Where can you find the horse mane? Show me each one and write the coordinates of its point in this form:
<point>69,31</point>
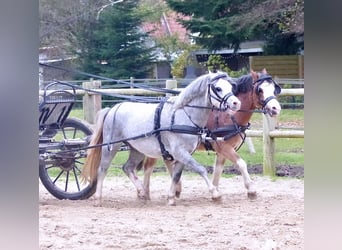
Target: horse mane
<point>244,84</point>
<point>191,91</point>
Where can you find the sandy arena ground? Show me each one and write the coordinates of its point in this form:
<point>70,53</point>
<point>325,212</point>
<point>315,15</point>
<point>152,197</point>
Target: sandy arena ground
<point>275,220</point>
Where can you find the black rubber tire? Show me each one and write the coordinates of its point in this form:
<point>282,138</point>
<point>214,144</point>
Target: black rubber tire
<point>66,184</point>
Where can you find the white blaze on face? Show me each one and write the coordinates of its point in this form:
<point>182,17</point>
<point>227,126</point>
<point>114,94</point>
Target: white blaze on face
<point>273,106</point>
<point>225,88</point>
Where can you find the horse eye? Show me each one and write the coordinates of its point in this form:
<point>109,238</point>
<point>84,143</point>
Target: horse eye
<point>218,89</point>
<point>260,91</point>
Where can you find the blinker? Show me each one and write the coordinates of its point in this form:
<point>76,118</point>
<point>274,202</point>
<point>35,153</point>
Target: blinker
<point>277,88</point>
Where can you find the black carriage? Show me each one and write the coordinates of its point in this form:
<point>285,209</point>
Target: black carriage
<point>62,144</point>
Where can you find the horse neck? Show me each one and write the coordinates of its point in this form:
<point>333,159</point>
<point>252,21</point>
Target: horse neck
<point>218,119</point>
<point>200,114</point>
<point>247,106</point>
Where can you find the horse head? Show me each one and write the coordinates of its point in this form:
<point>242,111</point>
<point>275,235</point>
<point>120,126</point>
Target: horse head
<point>221,92</point>
<point>266,90</point>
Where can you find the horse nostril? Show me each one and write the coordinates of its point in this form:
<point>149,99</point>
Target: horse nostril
<point>235,103</point>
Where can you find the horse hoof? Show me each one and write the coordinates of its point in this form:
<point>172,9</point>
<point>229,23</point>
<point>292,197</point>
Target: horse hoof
<point>217,198</point>
<point>141,195</point>
<point>98,204</point>
<point>141,198</point>
<point>171,202</point>
<point>215,194</point>
<point>178,194</point>
<point>252,195</point>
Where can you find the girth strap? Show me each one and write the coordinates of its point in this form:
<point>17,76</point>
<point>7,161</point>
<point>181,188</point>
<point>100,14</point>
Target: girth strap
<point>166,155</point>
<point>185,129</point>
<point>227,132</point>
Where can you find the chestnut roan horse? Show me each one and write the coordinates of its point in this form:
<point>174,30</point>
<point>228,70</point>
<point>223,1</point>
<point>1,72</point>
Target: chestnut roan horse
<point>256,90</point>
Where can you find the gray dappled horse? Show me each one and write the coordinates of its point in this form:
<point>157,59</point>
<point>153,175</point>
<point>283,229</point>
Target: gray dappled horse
<point>171,129</point>
<point>255,90</point>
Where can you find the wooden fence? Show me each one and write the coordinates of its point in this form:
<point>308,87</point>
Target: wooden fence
<point>92,103</point>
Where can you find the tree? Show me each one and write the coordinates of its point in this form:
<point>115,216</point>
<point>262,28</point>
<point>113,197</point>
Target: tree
<point>281,43</point>
<point>216,62</point>
<point>59,21</point>
<point>218,24</point>
<point>182,61</point>
<point>114,45</point>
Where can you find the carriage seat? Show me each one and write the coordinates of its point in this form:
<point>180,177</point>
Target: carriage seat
<point>55,105</point>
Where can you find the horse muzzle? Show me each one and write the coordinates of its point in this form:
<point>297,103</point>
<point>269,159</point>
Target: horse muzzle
<point>272,108</point>
<point>233,104</point>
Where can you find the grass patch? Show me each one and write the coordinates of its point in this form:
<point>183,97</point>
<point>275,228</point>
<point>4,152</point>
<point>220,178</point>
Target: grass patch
<point>78,113</point>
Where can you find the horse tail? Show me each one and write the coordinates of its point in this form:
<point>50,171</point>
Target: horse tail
<point>92,162</point>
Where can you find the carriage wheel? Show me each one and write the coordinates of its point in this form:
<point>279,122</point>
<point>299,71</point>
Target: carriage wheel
<point>61,174</point>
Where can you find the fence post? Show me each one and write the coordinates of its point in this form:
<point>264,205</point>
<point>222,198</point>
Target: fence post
<point>131,80</point>
<point>171,84</point>
<point>250,145</point>
<point>91,101</point>
<point>269,146</point>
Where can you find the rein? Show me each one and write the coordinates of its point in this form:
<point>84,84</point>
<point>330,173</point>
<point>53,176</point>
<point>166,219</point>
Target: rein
<point>142,86</point>
<point>144,99</point>
<point>181,129</point>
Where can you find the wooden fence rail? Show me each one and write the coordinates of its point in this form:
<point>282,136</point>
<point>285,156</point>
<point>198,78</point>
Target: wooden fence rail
<point>92,104</point>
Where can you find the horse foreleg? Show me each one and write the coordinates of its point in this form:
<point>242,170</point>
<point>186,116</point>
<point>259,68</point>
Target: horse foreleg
<point>218,168</point>
<point>175,171</point>
<point>178,185</point>
<point>202,171</point>
<point>229,152</point>
<point>242,166</point>
<point>217,172</point>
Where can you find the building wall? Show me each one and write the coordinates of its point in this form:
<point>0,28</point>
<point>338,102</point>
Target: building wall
<point>279,66</point>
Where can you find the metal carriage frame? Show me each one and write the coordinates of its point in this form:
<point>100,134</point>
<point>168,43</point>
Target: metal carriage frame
<point>62,144</point>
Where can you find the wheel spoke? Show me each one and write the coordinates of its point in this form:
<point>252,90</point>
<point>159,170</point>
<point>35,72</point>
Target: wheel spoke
<point>57,177</point>
<point>52,166</point>
<point>66,181</point>
<point>76,167</point>
<point>76,179</point>
<point>75,132</point>
<point>64,134</point>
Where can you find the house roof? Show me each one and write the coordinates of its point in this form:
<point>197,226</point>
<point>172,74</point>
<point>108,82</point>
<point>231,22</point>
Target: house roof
<point>245,48</point>
<point>167,26</point>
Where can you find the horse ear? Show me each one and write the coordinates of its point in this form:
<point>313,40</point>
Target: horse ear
<point>255,75</point>
<point>264,71</point>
